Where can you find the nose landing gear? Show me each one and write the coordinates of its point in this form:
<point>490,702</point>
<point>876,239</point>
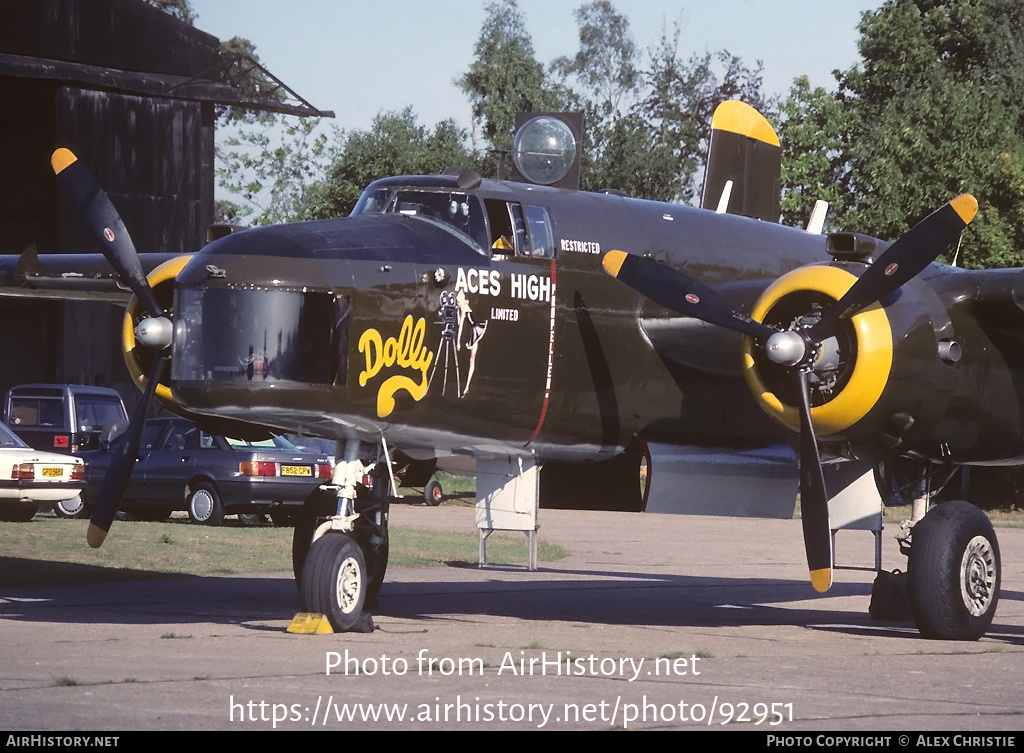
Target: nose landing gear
<point>340,542</point>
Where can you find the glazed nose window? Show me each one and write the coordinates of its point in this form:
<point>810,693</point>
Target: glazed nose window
<point>254,335</point>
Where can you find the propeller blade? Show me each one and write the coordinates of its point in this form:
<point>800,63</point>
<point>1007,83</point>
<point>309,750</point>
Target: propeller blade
<point>903,260</point>
<point>813,498</point>
<point>94,207</point>
<point>681,293</point>
<point>121,464</point>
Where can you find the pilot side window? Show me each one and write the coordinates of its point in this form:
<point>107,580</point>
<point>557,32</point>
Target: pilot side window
<point>542,241</point>
<point>507,228</point>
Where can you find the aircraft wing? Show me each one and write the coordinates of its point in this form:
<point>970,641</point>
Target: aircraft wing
<point>995,297</point>
<point>695,344</point>
<point>84,276</point>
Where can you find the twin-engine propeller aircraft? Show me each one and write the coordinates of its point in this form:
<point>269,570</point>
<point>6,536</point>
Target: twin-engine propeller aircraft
<point>581,333</point>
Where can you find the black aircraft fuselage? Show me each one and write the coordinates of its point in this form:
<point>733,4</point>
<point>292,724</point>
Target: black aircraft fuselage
<point>481,321</point>
<point>561,338</point>
<point>406,320</point>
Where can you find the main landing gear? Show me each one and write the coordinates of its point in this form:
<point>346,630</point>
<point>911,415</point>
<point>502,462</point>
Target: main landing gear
<point>953,566</point>
<point>953,573</point>
<point>340,541</point>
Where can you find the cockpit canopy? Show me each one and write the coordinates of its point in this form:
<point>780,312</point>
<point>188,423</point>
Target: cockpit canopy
<point>496,226</point>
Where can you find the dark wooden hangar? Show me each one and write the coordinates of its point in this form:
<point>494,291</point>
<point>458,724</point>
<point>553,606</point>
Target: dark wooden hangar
<point>135,92</point>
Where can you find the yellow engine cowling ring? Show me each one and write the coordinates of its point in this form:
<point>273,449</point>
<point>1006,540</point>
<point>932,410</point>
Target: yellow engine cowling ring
<point>872,332</point>
<point>138,360</point>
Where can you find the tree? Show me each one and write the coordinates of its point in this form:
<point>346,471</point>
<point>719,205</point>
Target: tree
<point>605,64</point>
<point>238,54</point>
<point>505,77</point>
<point>601,80</point>
<point>396,144</point>
<point>680,99</point>
<point>272,163</point>
<point>180,9</point>
<point>935,108</point>
<point>813,130</point>
<point>646,129</point>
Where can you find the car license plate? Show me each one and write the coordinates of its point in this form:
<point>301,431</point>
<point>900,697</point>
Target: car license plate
<point>53,472</point>
<point>296,470</point>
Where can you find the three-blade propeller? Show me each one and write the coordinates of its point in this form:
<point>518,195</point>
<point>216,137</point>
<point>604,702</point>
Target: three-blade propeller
<point>108,230</point>
<point>796,349</point>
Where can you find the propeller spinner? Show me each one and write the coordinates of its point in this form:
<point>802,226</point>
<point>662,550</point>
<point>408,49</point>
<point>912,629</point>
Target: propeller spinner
<point>800,348</point>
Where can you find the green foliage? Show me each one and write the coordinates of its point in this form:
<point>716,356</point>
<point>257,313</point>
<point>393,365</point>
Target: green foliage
<point>504,77</point>
<point>226,212</point>
<point>396,144</point>
<point>272,164</point>
<point>935,109</point>
<point>647,126</point>
<point>813,129</point>
<point>250,82</point>
<point>180,9</point>
<point>605,64</point>
<point>679,97</point>
<point>601,80</point>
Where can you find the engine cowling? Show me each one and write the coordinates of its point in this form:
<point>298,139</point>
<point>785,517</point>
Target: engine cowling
<point>867,379</point>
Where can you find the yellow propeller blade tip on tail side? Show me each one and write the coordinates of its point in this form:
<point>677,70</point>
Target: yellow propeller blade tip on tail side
<point>966,206</point>
<point>61,159</point>
<point>613,262</point>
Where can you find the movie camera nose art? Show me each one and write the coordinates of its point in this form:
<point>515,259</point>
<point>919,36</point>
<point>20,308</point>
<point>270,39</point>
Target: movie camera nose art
<point>451,353</point>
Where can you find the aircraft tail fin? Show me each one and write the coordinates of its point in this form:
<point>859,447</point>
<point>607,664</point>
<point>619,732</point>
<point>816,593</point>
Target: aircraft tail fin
<point>744,150</point>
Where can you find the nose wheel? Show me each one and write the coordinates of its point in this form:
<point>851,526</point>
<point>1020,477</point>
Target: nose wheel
<point>334,580</point>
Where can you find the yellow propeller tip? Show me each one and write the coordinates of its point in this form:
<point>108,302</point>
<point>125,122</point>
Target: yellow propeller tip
<point>966,206</point>
<point>95,536</point>
<point>821,579</point>
<point>613,262</point>
<point>61,159</point>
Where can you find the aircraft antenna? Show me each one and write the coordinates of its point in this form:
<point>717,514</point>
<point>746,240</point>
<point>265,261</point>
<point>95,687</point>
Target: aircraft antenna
<point>816,222</point>
<point>723,203</point>
<point>956,253</point>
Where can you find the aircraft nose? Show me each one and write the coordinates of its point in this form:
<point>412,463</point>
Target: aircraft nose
<point>241,335</point>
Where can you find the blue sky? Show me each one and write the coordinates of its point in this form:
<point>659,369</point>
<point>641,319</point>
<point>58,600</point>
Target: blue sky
<point>358,58</point>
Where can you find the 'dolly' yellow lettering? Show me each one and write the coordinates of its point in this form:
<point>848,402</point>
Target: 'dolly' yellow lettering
<point>407,352</point>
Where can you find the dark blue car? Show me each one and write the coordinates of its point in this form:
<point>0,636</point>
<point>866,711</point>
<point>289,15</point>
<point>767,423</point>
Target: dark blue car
<point>180,467</point>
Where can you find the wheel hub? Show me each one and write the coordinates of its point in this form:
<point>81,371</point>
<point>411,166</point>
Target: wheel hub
<point>202,505</point>
<point>349,585</point>
<point>977,575</point>
<point>72,506</point>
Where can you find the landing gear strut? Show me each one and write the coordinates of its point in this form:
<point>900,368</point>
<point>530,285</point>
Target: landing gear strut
<point>340,542</point>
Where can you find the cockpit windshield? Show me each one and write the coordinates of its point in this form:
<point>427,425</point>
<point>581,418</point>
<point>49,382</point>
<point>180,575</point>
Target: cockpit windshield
<point>455,209</point>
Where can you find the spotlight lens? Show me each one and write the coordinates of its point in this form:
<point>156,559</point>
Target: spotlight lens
<point>544,150</point>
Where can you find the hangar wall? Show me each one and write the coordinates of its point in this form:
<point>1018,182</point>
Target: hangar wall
<point>67,73</point>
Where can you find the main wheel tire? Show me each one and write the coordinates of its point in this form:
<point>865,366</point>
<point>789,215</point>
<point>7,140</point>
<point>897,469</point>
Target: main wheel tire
<point>252,519</point>
<point>334,580</point>
<point>433,493</point>
<point>317,507</point>
<point>71,508</point>
<point>204,507</point>
<point>953,573</point>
